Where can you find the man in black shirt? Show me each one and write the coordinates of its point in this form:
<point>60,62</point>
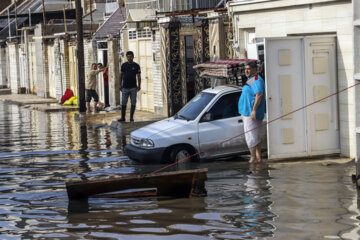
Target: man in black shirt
<point>130,71</point>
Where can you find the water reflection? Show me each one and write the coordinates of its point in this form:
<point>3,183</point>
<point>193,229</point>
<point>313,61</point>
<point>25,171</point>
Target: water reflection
<point>40,151</point>
<point>84,166</point>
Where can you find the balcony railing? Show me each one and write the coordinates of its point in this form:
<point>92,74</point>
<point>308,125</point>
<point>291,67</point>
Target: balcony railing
<point>172,5</point>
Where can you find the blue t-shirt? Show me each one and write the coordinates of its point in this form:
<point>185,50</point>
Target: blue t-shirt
<point>247,99</point>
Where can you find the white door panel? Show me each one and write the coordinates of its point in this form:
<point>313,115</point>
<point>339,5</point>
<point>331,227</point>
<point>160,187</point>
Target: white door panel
<point>320,82</point>
<point>147,90</point>
<point>285,92</point>
<point>300,71</point>
<point>133,46</point>
<point>143,56</point>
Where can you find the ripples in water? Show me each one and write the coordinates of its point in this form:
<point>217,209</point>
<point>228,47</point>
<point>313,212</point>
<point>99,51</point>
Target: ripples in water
<point>40,151</point>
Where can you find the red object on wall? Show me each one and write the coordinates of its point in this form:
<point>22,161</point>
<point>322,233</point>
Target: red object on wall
<point>106,77</point>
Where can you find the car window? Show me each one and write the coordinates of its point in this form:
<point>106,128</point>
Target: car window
<point>225,107</point>
<point>191,110</point>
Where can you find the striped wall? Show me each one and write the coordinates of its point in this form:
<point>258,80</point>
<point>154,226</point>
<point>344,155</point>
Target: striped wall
<point>14,67</point>
<point>214,39</point>
<point>58,71</point>
<point>217,37</point>
<point>163,47</point>
<point>158,99</point>
<point>64,62</point>
<point>40,69</point>
<point>3,75</point>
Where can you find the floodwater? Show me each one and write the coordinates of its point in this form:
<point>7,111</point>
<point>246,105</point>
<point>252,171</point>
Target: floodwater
<point>40,151</point>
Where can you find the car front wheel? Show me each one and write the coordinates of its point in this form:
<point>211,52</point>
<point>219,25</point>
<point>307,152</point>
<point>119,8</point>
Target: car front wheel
<point>180,153</point>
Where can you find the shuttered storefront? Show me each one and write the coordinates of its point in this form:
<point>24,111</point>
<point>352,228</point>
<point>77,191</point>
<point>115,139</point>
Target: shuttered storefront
<point>73,69</point>
<point>51,71</point>
<point>32,67</point>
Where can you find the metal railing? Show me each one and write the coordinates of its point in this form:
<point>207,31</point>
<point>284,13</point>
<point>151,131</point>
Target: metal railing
<point>171,5</point>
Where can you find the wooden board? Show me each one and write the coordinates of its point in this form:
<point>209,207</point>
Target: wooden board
<point>180,183</point>
<point>140,193</point>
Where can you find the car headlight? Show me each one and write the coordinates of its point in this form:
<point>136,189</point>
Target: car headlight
<point>146,143</point>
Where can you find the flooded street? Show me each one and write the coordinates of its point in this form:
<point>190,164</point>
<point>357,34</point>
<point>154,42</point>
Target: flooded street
<point>40,151</point>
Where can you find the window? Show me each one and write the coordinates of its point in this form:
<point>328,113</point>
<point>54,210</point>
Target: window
<point>102,45</point>
<point>132,34</point>
<point>193,108</point>
<point>225,107</point>
<point>140,33</point>
<point>144,33</point>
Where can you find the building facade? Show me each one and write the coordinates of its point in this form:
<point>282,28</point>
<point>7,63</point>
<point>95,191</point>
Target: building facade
<point>325,52</point>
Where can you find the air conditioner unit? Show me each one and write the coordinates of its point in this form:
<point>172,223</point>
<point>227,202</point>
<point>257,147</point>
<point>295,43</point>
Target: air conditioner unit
<point>256,51</point>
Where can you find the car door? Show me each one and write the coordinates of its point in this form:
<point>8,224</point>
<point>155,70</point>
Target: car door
<point>220,127</point>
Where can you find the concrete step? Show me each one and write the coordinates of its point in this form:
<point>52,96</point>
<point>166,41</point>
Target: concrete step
<point>5,91</point>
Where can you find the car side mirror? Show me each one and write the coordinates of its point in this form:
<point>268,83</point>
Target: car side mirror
<point>207,117</point>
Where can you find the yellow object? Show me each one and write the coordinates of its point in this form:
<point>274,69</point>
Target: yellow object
<point>71,101</point>
<point>67,102</point>
<point>75,102</point>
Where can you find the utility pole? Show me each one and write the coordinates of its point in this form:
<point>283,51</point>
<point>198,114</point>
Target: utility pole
<point>44,17</point>
<point>16,19</point>
<point>9,24</point>
<point>91,18</point>
<point>80,56</point>
<point>65,25</point>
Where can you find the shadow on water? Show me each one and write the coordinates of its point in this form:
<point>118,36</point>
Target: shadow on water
<point>83,152</point>
<point>40,151</point>
<point>81,205</point>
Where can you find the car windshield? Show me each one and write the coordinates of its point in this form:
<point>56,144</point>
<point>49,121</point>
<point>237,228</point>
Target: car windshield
<point>191,110</point>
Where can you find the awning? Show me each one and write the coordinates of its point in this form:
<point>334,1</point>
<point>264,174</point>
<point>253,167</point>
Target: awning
<point>141,15</point>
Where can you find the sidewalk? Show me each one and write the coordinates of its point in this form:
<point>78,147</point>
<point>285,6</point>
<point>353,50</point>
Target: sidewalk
<point>141,118</point>
<point>103,118</point>
<point>36,102</point>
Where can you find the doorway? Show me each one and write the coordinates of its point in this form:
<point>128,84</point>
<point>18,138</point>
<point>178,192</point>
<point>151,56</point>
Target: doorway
<point>103,78</point>
<point>146,94</point>
<point>190,72</point>
<point>299,72</point>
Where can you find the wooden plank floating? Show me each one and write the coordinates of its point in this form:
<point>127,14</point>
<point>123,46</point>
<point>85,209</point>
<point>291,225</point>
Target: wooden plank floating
<point>190,183</point>
<point>140,193</point>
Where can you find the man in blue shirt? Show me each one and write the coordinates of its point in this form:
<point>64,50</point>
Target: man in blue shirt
<point>252,109</point>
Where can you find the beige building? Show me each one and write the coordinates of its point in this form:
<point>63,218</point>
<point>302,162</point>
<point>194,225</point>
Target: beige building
<point>147,34</point>
<point>138,37</point>
<point>308,50</point>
